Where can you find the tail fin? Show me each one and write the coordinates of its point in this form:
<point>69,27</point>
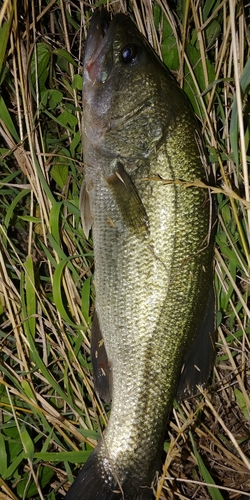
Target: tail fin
<point>93,484</point>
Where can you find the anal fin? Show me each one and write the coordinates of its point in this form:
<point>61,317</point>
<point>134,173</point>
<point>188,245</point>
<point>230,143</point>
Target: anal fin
<point>101,366</point>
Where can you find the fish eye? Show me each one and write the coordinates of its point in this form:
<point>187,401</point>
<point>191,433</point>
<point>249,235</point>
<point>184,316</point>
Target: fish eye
<point>129,54</point>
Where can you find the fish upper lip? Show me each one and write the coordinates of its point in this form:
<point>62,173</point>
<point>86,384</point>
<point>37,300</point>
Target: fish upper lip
<point>98,29</point>
<point>100,22</point>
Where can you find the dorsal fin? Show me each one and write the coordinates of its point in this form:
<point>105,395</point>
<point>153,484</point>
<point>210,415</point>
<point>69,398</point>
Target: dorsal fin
<point>199,359</point>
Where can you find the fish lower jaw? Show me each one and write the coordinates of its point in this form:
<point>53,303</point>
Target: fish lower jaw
<point>94,131</point>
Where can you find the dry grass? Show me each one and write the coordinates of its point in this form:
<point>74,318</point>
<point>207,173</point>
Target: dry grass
<point>50,417</point>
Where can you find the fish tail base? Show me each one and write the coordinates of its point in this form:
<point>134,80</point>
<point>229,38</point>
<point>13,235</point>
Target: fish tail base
<point>91,484</point>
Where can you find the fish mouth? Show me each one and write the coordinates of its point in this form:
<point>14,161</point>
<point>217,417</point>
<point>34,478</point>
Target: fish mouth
<point>97,47</point>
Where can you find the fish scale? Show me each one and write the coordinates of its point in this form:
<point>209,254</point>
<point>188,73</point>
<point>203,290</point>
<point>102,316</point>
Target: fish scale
<point>153,249</point>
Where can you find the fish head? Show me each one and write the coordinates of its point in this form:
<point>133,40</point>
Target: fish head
<point>122,91</point>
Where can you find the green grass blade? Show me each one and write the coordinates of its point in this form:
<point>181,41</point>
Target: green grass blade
<point>214,492</point>
<point>30,287</point>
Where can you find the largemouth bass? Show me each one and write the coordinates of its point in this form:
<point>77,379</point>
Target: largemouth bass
<point>154,311</point>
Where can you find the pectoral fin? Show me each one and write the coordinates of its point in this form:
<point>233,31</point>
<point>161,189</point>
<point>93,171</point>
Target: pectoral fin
<point>101,366</point>
<point>198,362</point>
<point>84,204</point>
<point>128,200</point>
